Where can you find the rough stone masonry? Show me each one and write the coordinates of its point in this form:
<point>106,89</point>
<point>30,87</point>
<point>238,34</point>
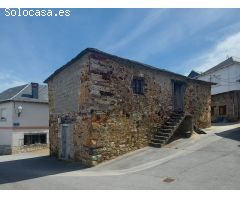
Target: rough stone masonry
<point>95,115</point>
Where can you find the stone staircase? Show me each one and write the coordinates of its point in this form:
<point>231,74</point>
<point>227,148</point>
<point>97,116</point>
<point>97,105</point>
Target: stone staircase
<point>164,133</point>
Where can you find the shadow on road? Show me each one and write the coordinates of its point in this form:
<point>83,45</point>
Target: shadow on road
<point>233,134</point>
<point>224,123</point>
<point>19,170</point>
<point>24,169</point>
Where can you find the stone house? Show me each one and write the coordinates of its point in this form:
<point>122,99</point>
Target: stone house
<point>102,106</point>
<point>24,117</point>
<point>225,92</point>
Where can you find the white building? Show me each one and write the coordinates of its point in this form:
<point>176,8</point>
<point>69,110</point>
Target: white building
<point>226,92</point>
<point>24,118</point>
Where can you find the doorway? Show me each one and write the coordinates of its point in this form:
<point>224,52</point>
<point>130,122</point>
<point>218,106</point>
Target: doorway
<point>66,132</point>
<point>178,96</point>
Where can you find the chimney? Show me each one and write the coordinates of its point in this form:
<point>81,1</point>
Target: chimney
<point>34,90</point>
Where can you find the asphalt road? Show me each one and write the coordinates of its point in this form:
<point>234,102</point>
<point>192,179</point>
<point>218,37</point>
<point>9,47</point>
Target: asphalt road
<point>202,162</point>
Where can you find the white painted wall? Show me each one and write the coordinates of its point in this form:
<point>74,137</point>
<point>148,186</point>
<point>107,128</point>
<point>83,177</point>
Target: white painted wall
<point>226,79</point>
<point>5,137</point>
<point>8,106</point>
<point>5,132</point>
<point>33,114</point>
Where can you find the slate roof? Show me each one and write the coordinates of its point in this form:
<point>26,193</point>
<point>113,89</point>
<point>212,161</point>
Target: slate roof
<point>11,92</point>
<point>15,94</point>
<point>119,59</point>
<point>193,74</point>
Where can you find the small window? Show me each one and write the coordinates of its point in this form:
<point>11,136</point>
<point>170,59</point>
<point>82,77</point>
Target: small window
<point>138,85</point>
<point>222,110</point>
<point>212,110</point>
<point>3,113</point>
<point>35,139</point>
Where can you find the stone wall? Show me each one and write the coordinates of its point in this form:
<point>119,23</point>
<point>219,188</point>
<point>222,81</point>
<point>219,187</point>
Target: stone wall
<point>111,119</point>
<point>29,148</point>
<point>121,121</point>
<point>198,103</point>
<point>64,89</point>
<point>232,102</point>
<point>7,149</point>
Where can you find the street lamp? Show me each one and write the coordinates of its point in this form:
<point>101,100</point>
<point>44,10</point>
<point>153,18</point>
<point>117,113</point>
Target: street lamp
<point>19,109</point>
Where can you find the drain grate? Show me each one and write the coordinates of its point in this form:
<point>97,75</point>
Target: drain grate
<point>168,180</point>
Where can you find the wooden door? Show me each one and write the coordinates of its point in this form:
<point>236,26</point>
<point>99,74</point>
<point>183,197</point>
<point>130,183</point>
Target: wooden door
<point>178,97</point>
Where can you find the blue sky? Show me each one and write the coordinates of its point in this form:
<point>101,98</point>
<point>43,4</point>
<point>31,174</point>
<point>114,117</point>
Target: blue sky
<point>31,48</point>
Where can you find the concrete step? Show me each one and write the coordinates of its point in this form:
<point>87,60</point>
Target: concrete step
<point>170,123</point>
<point>160,137</point>
<point>166,130</point>
<point>158,145</point>
<point>163,134</point>
<point>168,127</point>
<point>160,141</point>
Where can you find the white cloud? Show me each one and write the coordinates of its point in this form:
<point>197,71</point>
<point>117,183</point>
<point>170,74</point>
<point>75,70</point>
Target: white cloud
<point>171,33</point>
<point>159,42</point>
<point>159,31</point>
<point>149,22</point>
<point>230,46</point>
<point>8,80</point>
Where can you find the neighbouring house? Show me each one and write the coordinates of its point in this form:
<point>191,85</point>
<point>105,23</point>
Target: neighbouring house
<point>193,74</point>
<point>102,106</point>
<point>226,92</point>
<point>24,118</point>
